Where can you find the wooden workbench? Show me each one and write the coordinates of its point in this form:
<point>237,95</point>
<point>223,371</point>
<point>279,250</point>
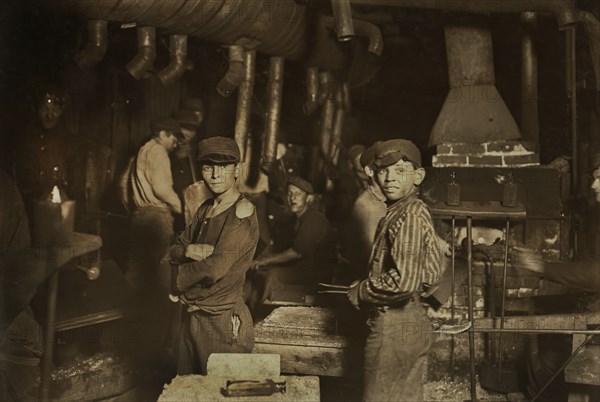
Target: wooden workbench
<point>311,340</point>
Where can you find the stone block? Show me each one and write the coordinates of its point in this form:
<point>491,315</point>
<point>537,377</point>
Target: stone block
<point>468,149</point>
<point>485,160</point>
<point>244,365</point>
<point>449,160</point>
<point>512,146</point>
<point>444,149</point>
<point>521,160</point>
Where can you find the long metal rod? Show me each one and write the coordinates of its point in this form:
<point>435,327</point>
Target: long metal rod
<point>538,331</point>
<point>572,62</point>
<point>504,269</point>
<point>470,302</point>
<point>493,308</point>
<point>562,367</point>
<point>49,337</point>
<point>452,293</point>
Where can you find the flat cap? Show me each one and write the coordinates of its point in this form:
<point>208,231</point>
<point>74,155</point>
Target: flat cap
<point>187,118</point>
<point>391,151</point>
<point>594,159</point>
<point>368,155</point>
<point>166,124</point>
<point>218,150</point>
<point>302,184</point>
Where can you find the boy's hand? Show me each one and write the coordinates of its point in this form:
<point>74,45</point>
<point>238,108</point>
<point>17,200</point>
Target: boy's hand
<point>199,252</point>
<point>353,296</point>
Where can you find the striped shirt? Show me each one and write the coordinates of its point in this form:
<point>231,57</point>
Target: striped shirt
<point>406,254</point>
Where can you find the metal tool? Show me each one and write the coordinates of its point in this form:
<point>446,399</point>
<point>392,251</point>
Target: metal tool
<point>253,388</point>
<point>452,329</point>
<point>333,289</point>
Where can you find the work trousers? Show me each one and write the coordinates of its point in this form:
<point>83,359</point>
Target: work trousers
<point>203,334</point>
<point>396,353</point>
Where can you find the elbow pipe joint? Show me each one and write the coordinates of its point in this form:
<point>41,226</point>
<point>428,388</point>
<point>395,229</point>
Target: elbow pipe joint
<point>179,63</point>
<point>143,62</point>
<point>236,72</point>
<point>96,46</point>
<point>372,32</point>
<point>312,91</point>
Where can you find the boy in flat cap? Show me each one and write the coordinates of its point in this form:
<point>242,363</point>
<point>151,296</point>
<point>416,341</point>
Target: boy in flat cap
<point>211,257</point>
<point>313,246</point>
<point>406,255</point>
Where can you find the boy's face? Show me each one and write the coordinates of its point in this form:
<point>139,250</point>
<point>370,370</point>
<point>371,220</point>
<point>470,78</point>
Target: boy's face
<point>399,180</point>
<point>49,114</point>
<point>297,199</point>
<point>219,177</point>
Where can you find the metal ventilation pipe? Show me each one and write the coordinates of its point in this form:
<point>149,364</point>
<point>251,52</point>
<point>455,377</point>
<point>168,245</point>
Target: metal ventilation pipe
<point>312,91</point>
<point>346,97</point>
<point>327,114</point>
<point>363,28</point>
<point>179,63</point>
<point>235,74</point>
<point>274,93</point>
<point>342,12</point>
<point>338,127</point>
<point>95,49</point>
<point>563,10</point>
<point>474,111</point>
<point>372,32</point>
<point>530,129</point>
<point>143,62</point>
<point>244,102</point>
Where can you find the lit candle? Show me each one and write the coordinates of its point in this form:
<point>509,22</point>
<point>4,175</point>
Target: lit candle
<point>53,220</point>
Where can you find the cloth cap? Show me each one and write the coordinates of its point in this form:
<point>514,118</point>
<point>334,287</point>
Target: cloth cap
<point>391,151</point>
<point>166,124</point>
<point>355,150</point>
<point>187,118</point>
<point>368,155</point>
<point>218,150</point>
<point>302,184</point>
<point>193,104</point>
<point>51,94</point>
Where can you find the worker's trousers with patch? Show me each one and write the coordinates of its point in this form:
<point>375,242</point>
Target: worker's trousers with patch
<point>203,334</point>
<point>396,353</point>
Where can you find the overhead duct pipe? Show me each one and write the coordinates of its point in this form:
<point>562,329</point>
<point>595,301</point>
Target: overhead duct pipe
<point>327,113</point>
<point>178,62</point>
<point>474,111</point>
<point>143,63</point>
<point>279,26</point>
<point>95,49</point>
<point>235,74</point>
<point>312,91</point>
<point>563,10</point>
<point>344,26</point>
<point>338,127</point>
<point>275,94</point>
<point>530,129</point>
<point>244,102</point>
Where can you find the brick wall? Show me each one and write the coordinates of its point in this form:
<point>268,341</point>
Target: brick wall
<point>493,154</point>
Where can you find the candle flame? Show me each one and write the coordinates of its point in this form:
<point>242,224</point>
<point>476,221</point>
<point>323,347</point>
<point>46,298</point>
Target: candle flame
<point>56,195</point>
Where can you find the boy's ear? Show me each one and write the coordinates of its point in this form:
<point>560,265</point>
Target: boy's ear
<point>310,198</point>
<point>419,176</point>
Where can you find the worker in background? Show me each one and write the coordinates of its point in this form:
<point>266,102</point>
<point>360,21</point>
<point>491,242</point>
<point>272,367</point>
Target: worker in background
<point>308,260</point>
<point>368,210</point>
<point>183,160</point>
<point>407,255</point>
<point>48,154</point>
<point>210,258</point>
